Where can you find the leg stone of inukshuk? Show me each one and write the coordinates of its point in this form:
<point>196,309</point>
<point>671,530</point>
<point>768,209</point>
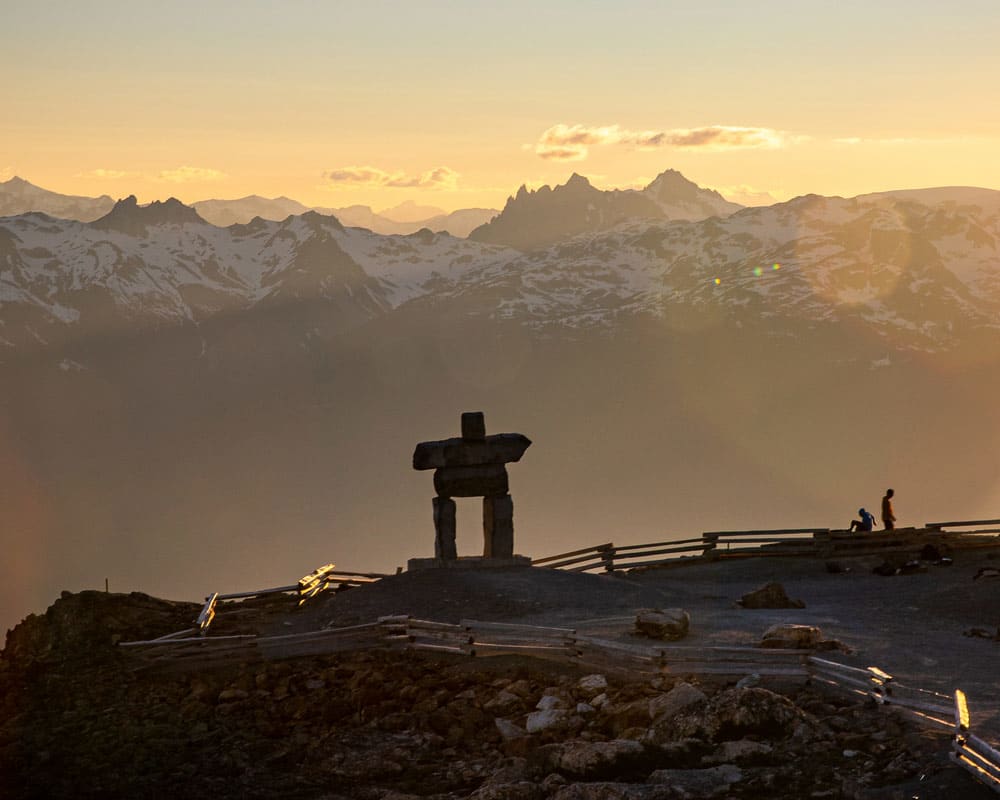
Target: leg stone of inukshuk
<point>444,528</point>
<point>498,526</point>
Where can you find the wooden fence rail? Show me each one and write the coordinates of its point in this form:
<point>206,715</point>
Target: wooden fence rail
<point>970,752</point>
<point>815,541</point>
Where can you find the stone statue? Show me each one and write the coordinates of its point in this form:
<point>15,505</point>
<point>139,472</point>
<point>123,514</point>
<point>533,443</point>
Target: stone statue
<point>473,466</point>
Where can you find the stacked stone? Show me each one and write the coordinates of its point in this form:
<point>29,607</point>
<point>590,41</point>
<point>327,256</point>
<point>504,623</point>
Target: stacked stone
<point>473,466</point>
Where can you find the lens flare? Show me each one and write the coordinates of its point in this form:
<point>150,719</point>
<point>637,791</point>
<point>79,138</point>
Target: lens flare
<point>718,281</point>
<point>757,271</point>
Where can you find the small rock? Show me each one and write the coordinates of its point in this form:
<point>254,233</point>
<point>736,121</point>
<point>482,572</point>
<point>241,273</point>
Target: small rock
<point>549,701</point>
<point>669,624</point>
<point>791,636</point>
<point>770,596</point>
<point>680,697</point>
<point>543,720</point>
<point>508,730</point>
<point>592,685</point>
<point>699,782</point>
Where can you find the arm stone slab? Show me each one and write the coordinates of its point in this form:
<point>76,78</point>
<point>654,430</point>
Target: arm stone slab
<point>500,448</point>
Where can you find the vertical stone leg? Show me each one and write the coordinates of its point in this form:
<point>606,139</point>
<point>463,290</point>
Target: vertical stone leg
<point>498,526</point>
<point>444,528</point>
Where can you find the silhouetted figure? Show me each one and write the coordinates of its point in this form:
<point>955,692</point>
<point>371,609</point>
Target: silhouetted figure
<point>866,523</point>
<point>888,517</point>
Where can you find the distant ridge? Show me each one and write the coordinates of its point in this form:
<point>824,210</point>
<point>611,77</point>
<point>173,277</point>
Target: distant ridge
<point>129,217</point>
<point>537,219</point>
<point>18,196</point>
<point>224,213</point>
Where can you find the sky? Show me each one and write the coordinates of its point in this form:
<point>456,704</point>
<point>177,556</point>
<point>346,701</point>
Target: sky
<point>456,104</point>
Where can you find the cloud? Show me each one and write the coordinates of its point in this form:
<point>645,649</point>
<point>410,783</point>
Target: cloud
<point>6,173</point>
<point>112,174</point>
<point>894,141</point>
<point>572,142</point>
<point>437,178</point>
<point>187,174</point>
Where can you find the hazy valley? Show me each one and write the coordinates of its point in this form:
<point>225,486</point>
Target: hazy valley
<point>190,407</point>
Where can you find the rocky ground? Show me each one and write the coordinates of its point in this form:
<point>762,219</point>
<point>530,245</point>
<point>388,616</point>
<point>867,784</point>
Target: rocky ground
<point>79,718</point>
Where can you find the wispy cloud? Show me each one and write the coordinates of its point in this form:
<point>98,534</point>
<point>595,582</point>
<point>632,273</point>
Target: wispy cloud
<point>187,174</point>
<point>108,174</point>
<point>573,142</point>
<point>893,141</point>
<point>437,178</point>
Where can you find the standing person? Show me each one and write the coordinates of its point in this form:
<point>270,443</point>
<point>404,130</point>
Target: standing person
<point>888,518</point>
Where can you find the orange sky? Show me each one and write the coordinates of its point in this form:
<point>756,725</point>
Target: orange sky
<point>456,104</point>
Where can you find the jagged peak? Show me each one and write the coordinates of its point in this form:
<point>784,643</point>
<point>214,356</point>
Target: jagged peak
<point>316,218</point>
<point>129,217</point>
<point>577,181</point>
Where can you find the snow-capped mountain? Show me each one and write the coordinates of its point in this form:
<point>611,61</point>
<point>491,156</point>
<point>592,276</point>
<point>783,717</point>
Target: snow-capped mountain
<point>162,265</point>
<point>536,219</point>
<point>918,267</point>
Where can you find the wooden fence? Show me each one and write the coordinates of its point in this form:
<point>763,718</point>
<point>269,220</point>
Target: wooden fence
<point>476,638</point>
<point>970,752</point>
<point>816,542</point>
<point>308,586</point>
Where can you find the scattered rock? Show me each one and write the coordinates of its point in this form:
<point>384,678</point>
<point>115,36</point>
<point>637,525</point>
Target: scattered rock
<point>597,760</point>
<point>787,635</point>
<point>770,596</point>
<point>543,720</point>
<point>699,782</point>
<point>668,624</point>
<point>739,751</point>
<point>591,685</point>
<point>664,706</point>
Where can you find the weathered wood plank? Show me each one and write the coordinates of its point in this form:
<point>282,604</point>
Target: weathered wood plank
<point>483,625</point>
<point>962,523</point>
<point>595,549</point>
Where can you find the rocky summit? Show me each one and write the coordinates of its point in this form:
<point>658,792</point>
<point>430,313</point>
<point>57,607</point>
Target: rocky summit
<point>79,718</point>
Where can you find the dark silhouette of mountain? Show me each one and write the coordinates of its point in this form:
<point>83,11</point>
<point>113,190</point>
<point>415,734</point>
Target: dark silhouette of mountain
<point>680,198</point>
<point>18,196</point>
<point>129,217</point>
<point>536,219</point>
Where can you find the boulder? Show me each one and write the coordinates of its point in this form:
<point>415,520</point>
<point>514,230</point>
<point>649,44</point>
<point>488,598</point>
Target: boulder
<point>664,706</point>
<point>590,686</point>
<point>595,760</point>
<point>699,782</point>
<point>739,751</point>
<point>543,720</point>
<point>790,636</point>
<point>668,624</point>
<point>770,596</point>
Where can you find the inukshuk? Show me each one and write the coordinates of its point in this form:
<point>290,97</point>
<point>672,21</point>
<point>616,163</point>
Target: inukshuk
<point>473,466</point>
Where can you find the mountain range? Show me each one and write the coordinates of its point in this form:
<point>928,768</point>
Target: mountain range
<point>190,407</point>
<point>18,196</point>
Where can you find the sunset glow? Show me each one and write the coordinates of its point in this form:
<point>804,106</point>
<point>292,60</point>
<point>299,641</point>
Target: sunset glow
<point>456,105</point>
